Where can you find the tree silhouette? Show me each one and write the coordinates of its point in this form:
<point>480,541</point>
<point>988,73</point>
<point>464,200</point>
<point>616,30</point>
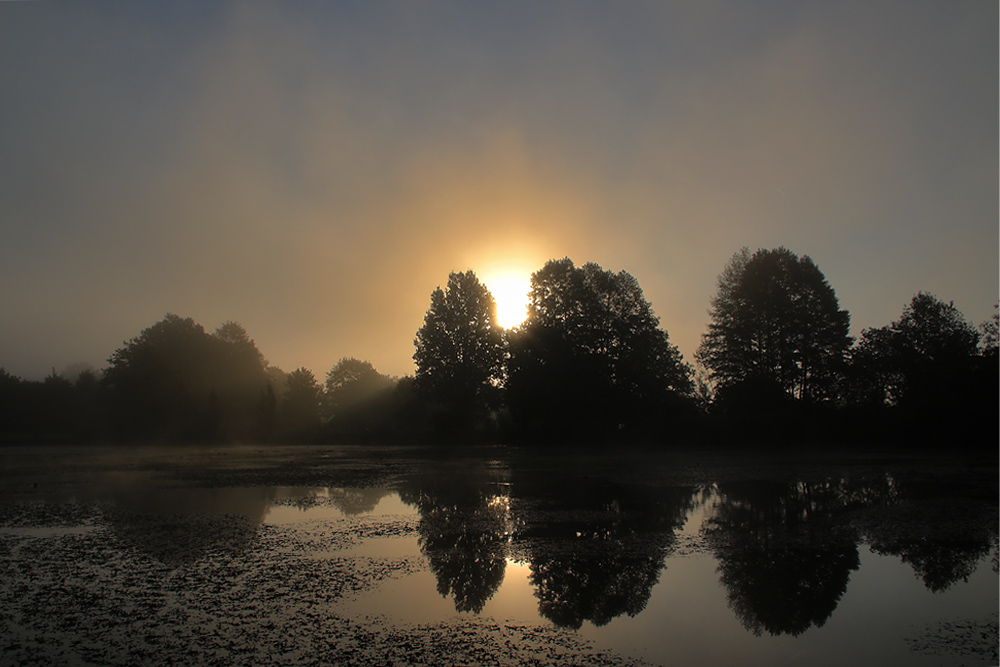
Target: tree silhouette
<point>776,319</point>
<point>591,355</point>
<point>460,351</point>
<point>238,377</point>
<point>175,381</point>
<point>301,403</point>
<point>350,386</point>
<point>928,359</point>
<point>989,335</point>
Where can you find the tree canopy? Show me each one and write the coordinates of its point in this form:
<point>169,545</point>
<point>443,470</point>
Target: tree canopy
<point>928,354</point>
<point>174,380</point>
<point>776,319</point>
<point>591,353</point>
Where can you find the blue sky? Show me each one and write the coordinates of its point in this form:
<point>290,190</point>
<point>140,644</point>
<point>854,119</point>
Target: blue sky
<point>314,170</point>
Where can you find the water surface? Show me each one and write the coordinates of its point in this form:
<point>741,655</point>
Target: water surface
<point>495,556</point>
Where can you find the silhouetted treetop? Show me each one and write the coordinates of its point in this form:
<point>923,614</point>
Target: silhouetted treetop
<point>591,352</point>
<point>301,402</point>
<point>775,317</point>
<point>351,382</point>
<point>935,331</point>
<point>989,334</point>
<point>175,380</point>
<point>927,355</point>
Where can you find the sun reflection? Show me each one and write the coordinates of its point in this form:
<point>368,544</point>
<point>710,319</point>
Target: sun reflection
<point>510,291</point>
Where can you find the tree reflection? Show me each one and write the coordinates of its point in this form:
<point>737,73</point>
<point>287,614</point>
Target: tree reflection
<point>353,502</point>
<point>783,557</point>
<point>177,526</point>
<point>599,587</point>
<point>596,550</point>
<point>465,527</point>
<point>940,530</point>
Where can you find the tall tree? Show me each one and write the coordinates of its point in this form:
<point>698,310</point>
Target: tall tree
<point>460,351</point>
<point>776,319</point>
<point>591,354</point>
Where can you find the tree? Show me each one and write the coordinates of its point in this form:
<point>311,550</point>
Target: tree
<point>989,335</point>
<point>776,319</point>
<point>591,354</point>
<point>349,384</point>
<point>240,377</point>
<point>926,357</point>
<point>460,351</point>
<point>301,403</point>
<point>176,381</point>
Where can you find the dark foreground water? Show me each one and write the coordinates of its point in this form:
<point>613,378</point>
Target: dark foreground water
<point>392,556</point>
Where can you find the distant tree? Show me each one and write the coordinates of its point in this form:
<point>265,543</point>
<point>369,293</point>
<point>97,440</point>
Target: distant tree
<point>159,382</point>
<point>240,377</point>
<point>301,403</point>
<point>927,356</point>
<point>175,381</point>
<point>350,384</point>
<point>591,354</point>
<point>775,318</point>
<point>460,351</point>
<point>240,345</point>
<point>989,335</point>
<point>73,371</point>
<point>13,404</point>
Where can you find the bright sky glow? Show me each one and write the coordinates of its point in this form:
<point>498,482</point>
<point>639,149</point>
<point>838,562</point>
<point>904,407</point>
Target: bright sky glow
<point>314,170</point>
<point>510,291</point>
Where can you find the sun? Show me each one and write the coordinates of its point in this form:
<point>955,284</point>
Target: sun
<point>510,291</point>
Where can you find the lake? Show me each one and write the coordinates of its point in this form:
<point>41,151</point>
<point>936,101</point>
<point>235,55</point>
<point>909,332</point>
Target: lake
<point>311,555</point>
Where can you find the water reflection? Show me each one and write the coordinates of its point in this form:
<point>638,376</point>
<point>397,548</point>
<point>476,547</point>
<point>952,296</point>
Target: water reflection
<point>596,549</point>
<point>178,525</point>
<point>784,558</point>
<point>785,549</point>
<point>593,545</point>
<point>465,526</point>
<point>941,531</point>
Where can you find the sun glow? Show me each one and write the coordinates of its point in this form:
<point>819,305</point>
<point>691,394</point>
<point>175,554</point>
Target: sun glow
<point>510,291</point>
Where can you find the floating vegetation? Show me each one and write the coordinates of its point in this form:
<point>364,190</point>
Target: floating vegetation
<point>126,589</point>
<point>967,642</point>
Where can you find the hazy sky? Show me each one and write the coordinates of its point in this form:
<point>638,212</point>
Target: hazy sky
<point>314,170</point>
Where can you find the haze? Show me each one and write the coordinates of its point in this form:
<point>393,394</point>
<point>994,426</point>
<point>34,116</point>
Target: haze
<point>314,170</point>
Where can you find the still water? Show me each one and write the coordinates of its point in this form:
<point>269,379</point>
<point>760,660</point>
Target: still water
<point>495,556</point>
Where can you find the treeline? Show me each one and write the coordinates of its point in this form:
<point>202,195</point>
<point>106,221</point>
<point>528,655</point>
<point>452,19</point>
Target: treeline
<point>175,382</point>
<point>777,361</point>
<point>591,362</point>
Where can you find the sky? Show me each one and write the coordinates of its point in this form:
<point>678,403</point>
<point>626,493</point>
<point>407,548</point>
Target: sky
<point>315,170</point>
